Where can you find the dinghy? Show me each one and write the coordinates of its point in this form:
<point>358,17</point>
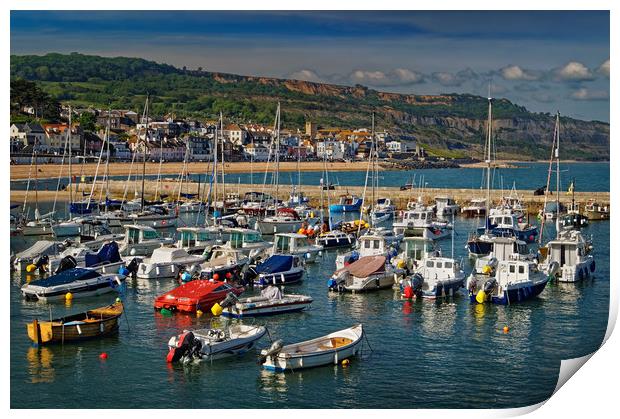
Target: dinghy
<point>264,304</point>
<point>94,323</point>
<point>326,350</point>
<point>211,344</point>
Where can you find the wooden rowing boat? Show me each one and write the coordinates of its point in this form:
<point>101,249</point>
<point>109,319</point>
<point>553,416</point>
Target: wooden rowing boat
<point>94,323</point>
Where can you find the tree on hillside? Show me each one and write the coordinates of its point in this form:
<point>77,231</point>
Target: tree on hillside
<point>26,94</point>
<point>88,121</point>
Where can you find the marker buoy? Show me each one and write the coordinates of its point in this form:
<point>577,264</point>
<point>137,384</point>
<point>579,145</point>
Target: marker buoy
<point>68,296</point>
<point>103,355</point>
<point>345,362</point>
<point>506,329</point>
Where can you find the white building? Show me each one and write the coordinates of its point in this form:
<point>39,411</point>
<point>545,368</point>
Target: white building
<point>332,149</point>
<point>256,152</point>
<point>121,150</point>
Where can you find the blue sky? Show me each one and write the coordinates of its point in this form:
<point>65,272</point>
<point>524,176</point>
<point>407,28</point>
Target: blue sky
<point>546,61</point>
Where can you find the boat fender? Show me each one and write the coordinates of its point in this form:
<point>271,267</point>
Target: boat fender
<point>408,292</point>
<point>123,271</point>
<point>332,283</point>
<point>481,297</point>
<point>493,262</point>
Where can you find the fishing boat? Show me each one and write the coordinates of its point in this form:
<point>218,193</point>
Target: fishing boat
<point>141,240</point>
<point>367,245</point>
<point>279,270</point>
<point>383,210</point>
<point>96,323</point>
<point>195,295</point>
<point>347,203</point>
<point>572,253</point>
<point>212,344</point>
<point>296,244</point>
<point>503,222</point>
<point>596,211</point>
<point>166,262</point>
<point>436,277</point>
<point>421,222</point>
<point>80,282</point>
<point>475,208</point>
<point>335,238</point>
<point>508,282</point>
<point>368,273</point>
<point>326,350</point>
<point>271,301</point>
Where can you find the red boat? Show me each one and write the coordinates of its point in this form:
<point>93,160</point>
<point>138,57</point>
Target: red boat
<point>196,295</point>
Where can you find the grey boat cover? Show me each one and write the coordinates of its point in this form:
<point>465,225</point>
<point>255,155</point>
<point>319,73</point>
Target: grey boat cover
<point>366,266</point>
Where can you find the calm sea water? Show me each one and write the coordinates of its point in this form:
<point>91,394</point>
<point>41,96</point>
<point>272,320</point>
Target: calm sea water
<point>424,354</point>
<point>588,177</point>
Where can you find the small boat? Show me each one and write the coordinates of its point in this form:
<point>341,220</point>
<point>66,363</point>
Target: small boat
<point>571,252</point>
<point>248,241</point>
<point>335,238</point>
<point>475,208</point>
<point>66,229</point>
<point>195,295</point>
<point>508,282</point>
<point>279,270</point>
<point>211,344</point>
<point>224,262</point>
<point>94,323</point>
<point>446,207</point>
<point>270,302</point>
<point>286,220</point>
<point>595,211</point>
<point>573,221</point>
<point>195,240</point>
<point>166,262</point>
<point>94,233</point>
<point>420,222</point>
<point>41,227</point>
<point>107,260</point>
<point>296,244</point>
<point>80,282</point>
<point>436,277</point>
<point>141,240</point>
<point>347,203</point>
<point>383,210</point>
<point>373,243</point>
<point>503,222</point>
<point>368,273</point>
<point>326,350</point>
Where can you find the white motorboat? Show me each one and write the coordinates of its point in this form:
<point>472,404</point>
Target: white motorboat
<point>420,222</point>
<point>435,277</point>
<point>40,248</point>
<point>368,273</point>
<point>248,241</point>
<point>151,219</point>
<point>446,207</point>
<point>166,262</point>
<point>212,344</point>
<point>106,260</point>
<point>224,263</point>
<point>335,238</point>
<point>265,305</point>
<point>66,229</point>
<point>286,220</point>
<point>326,350</point>
<point>572,252</point>
<point>80,282</point>
<point>476,208</point>
<point>195,240</point>
<point>296,244</point>
<point>375,242</point>
<point>41,227</point>
<point>141,241</point>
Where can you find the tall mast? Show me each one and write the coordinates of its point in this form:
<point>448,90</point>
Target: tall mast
<point>277,173</point>
<point>215,141</point>
<point>557,177</point>
<point>374,161</point>
<point>488,162</point>
<point>553,145</point>
<point>146,138</point>
<point>70,166</point>
<point>107,163</point>
<point>223,167</point>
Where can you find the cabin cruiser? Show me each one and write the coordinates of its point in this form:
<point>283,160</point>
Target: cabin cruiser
<point>296,244</point>
<point>367,245</point>
<point>167,262</point>
<point>368,273</point>
<point>106,260</point>
<point>571,252</point>
<point>223,263</point>
<point>475,208</point>
<point>80,282</point>
<point>421,222</point>
<point>248,241</point>
<point>286,220</point>
<point>508,281</point>
<point>446,207</point>
<point>484,244</point>
<point>194,240</point>
<point>94,233</point>
<point>141,240</point>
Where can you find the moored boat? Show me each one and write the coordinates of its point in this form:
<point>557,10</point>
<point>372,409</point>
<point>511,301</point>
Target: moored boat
<point>94,323</point>
<point>195,295</point>
<point>166,262</point>
<point>270,302</point>
<point>368,273</point>
<point>326,350</point>
<point>279,270</point>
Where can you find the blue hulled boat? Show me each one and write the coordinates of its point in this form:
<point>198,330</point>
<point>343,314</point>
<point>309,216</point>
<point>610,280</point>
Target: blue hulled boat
<point>347,203</point>
<point>280,270</point>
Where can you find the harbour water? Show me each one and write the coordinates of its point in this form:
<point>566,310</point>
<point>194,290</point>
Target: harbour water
<point>422,354</point>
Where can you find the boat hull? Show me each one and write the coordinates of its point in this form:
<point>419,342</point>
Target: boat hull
<point>271,309</point>
<point>281,278</point>
<point>516,294</point>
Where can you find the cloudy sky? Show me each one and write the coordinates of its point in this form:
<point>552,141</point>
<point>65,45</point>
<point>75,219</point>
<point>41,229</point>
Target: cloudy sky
<point>546,61</point>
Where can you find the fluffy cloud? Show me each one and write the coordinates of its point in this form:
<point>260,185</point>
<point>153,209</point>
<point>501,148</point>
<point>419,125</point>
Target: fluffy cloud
<point>604,68</point>
<point>514,72</point>
<point>587,94</point>
<point>397,77</point>
<point>573,71</point>
<point>457,79</point>
<point>305,75</point>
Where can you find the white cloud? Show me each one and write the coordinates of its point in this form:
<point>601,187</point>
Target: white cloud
<point>305,75</point>
<point>397,77</point>
<point>604,68</point>
<point>514,72</point>
<point>450,79</point>
<point>573,71</point>
<point>586,94</point>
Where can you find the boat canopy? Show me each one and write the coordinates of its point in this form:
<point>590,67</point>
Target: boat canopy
<point>167,254</point>
<point>275,263</point>
<point>108,253</point>
<point>66,277</point>
<point>366,266</point>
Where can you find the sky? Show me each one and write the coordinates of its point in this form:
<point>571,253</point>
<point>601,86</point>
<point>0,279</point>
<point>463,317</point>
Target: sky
<point>544,60</point>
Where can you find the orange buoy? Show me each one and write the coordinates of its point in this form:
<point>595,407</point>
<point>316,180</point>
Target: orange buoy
<point>506,329</point>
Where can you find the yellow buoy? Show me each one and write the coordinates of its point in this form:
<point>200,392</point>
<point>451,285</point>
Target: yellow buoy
<point>198,313</point>
<point>506,329</point>
<point>31,268</point>
<point>486,270</point>
<point>68,296</point>
<point>216,309</point>
<point>481,297</point>
<point>345,362</point>
<point>401,264</point>
<point>366,225</point>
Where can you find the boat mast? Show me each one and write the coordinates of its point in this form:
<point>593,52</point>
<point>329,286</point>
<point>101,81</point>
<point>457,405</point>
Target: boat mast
<point>277,174</point>
<point>146,138</point>
<point>553,145</point>
<point>107,163</point>
<point>488,162</point>
<point>215,149</point>
<point>375,180</point>
<point>557,177</point>
<point>222,163</point>
<point>70,163</point>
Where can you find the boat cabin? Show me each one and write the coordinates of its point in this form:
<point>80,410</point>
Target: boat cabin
<point>285,243</point>
<point>416,249</point>
<point>438,267</point>
<point>568,250</point>
<point>514,271</point>
<point>371,245</point>
<point>240,238</point>
<point>135,234</point>
<point>194,237</point>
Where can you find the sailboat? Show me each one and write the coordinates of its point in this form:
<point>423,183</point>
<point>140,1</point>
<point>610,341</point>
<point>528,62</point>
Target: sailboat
<point>382,209</point>
<point>41,225</point>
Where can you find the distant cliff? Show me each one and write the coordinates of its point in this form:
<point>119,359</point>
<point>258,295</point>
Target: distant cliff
<point>453,122</point>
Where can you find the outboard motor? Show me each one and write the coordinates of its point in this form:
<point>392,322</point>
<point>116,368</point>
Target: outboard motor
<point>132,267</point>
<point>185,344</point>
<point>274,349</point>
<point>230,299</point>
<point>489,285</point>
<point>41,263</point>
<point>66,263</point>
<point>416,283</point>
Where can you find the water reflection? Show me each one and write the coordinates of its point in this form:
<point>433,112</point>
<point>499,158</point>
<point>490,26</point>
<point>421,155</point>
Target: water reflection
<point>40,366</point>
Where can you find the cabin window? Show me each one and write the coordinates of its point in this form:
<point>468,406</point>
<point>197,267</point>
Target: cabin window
<point>439,265</point>
<point>512,269</point>
<point>367,244</point>
<point>416,216</point>
<point>521,269</point>
<point>448,265</point>
<point>150,234</point>
<point>221,288</point>
<point>429,263</point>
<point>375,244</point>
<point>203,236</point>
<point>253,238</point>
<point>236,240</point>
<point>282,244</point>
<point>133,236</point>
<point>424,216</point>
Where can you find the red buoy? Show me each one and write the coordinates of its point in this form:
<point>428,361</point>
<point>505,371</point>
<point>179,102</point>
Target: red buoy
<point>408,292</point>
<point>103,355</point>
<point>228,275</point>
<point>216,276</point>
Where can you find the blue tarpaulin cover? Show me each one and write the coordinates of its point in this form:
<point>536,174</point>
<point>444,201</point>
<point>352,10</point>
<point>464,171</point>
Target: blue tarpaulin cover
<point>66,277</point>
<point>108,254</point>
<point>275,263</point>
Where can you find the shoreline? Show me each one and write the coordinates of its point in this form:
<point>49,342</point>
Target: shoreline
<point>50,171</point>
